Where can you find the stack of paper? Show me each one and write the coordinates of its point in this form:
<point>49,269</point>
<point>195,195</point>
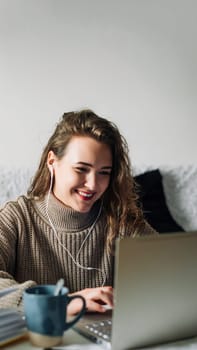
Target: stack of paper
<point>12,325</point>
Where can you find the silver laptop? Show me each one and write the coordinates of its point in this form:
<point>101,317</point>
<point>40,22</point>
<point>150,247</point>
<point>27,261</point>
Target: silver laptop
<point>155,293</point>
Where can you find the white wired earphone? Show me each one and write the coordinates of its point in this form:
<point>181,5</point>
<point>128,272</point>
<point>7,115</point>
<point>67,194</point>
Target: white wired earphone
<point>76,261</point>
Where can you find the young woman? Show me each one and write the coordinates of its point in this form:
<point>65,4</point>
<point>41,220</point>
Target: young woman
<point>81,198</point>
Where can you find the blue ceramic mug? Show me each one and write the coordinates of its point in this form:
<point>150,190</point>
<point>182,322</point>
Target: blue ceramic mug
<point>46,314</point>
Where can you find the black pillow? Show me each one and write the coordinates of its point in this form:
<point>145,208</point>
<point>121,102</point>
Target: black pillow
<point>152,200</point>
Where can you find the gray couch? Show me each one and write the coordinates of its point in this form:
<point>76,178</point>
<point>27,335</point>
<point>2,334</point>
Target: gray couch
<point>179,186</point>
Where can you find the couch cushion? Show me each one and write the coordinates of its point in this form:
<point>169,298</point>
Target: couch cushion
<point>180,188</point>
<point>152,199</point>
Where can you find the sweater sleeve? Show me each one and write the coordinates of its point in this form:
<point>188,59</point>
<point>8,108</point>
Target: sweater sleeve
<point>143,228</point>
<point>8,237</point>
<point>146,229</point>
<point>13,299</point>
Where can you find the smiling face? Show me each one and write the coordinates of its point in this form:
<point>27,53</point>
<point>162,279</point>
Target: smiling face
<point>82,175</point>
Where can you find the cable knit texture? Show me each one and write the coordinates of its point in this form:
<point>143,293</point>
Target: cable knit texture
<point>31,254</point>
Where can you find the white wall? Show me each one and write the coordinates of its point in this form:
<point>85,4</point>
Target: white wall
<point>133,61</point>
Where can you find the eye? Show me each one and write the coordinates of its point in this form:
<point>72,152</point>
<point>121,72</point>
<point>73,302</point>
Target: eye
<point>105,172</point>
<point>80,169</point>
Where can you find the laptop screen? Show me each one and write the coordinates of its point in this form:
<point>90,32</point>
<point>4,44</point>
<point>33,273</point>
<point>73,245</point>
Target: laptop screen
<point>155,292</point>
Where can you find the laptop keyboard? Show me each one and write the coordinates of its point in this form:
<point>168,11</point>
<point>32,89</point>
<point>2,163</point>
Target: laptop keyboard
<point>100,328</point>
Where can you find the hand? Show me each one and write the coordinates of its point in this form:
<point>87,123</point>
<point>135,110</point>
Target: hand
<point>95,299</point>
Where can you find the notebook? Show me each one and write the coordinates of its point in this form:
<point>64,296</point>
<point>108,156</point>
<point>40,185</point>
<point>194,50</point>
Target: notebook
<point>155,293</point>
<point>12,325</point>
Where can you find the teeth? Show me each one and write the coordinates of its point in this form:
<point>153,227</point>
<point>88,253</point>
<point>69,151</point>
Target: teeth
<point>85,194</point>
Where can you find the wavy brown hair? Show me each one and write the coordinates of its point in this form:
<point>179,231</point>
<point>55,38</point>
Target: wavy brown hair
<point>120,198</point>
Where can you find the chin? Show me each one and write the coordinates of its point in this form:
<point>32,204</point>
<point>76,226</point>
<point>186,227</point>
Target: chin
<point>83,209</point>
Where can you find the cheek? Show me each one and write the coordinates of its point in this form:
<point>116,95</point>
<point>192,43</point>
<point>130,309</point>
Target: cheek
<point>64,179</point>
<point>73,180</point>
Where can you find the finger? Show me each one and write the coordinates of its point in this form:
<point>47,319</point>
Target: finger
<point>107,295</point>
<point>94,306</point>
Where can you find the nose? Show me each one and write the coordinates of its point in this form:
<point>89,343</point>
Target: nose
<point>91,181</point>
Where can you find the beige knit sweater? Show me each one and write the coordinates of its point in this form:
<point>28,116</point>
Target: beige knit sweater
<point>30,252</point>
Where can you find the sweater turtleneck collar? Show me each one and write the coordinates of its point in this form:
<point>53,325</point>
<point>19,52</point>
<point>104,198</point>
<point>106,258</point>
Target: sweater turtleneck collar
<point>66,218</point>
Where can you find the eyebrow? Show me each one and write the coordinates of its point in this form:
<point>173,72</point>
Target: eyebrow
<point>90,165</point>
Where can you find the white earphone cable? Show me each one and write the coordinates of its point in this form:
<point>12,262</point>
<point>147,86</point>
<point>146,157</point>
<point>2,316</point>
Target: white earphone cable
<point>75,261</point>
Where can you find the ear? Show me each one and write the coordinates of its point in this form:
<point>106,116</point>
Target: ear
<point>50,160</point>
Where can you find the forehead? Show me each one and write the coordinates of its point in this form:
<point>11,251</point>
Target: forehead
<point>84,148</point>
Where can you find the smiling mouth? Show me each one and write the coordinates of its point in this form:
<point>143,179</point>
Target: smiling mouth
<point>85,195</point>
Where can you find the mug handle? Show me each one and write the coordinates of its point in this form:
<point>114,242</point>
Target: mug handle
<point>81,312</point>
